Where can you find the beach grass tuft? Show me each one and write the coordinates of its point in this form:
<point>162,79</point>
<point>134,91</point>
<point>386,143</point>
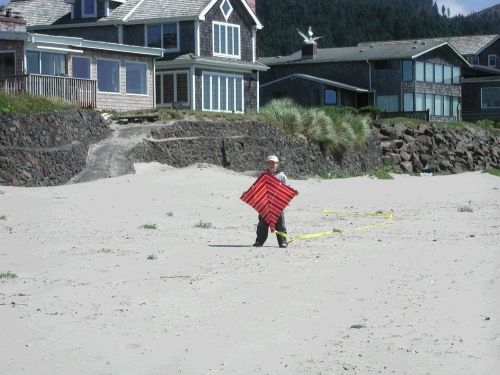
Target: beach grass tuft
<point>8,275</point>
<point>152,257</point>
<point>203,225</point>
<point>148,226</point>
<point>465,209</point>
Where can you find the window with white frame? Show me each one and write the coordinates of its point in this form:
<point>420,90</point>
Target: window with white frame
<point>492,60</point>
<point>81,67</point>
<point>164,36</point>
<point>32,62</point>
<point>136,78</point>
<point>51,64</point>
<point>172,87</point>
<point>490,97</point>
<point>108,75</point>
<point>226,9</point>
<point>89,8</point>
<point>226,40</point>
<point>7,64</point>
<point>222,92</point>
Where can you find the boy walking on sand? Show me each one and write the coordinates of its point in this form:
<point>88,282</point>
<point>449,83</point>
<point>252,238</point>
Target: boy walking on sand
<point>262,227</point>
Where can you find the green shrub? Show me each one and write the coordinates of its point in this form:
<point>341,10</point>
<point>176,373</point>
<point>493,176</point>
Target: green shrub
<point>371,108</point>
<point>488,124</point>
<point>25,103</point>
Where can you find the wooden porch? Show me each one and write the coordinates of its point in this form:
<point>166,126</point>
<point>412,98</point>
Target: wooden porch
<point>78,91</point>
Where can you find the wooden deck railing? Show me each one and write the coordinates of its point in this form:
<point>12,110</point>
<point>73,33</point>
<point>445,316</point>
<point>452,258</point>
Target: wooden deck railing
<point>81,92</point>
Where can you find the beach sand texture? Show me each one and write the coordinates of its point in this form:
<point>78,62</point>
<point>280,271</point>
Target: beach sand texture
<point>424,290</point>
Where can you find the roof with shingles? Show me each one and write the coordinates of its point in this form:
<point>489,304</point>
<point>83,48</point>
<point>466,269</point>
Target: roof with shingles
<point>56,12</point>
<point>465,45</point>
<point>351,54</point>
<point>41,12</point>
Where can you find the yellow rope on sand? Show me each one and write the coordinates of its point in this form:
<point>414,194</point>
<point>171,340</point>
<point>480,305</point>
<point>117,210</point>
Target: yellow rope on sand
<point>340,230</point>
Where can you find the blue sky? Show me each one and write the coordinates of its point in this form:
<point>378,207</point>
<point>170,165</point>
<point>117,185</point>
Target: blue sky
<point>463,7</point>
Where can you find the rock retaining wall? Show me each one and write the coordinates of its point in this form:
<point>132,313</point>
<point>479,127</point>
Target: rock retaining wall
<point>48,148</point>
<point>245,147</point>
<point>439,149</point>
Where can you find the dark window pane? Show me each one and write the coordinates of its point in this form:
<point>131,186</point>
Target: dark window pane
<point>154,36</point>
<point>182,87</point>
<point>170,35</point>
<point>168,88</point>
<point>81,67</point>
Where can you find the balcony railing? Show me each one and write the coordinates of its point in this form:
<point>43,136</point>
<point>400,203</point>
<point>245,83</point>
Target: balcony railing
<point>81,92</point>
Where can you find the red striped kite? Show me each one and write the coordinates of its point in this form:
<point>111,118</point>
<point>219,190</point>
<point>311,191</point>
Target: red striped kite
<point>269,196</point>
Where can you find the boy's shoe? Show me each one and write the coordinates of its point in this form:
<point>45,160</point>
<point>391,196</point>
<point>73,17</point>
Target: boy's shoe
<point>257,244</point>
<point>283,245</point>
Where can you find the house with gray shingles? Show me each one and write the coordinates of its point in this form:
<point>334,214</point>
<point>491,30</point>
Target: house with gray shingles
<point>209,45</point>
<point>481,80</point>
<point>394,77</point>
<point>72,68</point>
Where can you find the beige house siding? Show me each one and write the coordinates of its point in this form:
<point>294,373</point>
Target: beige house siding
<point>120,101</point>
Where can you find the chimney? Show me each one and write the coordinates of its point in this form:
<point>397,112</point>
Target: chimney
<point>309,51</point>
<point>251,4</point>
<point>11,22</point>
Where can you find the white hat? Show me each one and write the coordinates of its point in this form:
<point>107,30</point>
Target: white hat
<point>273,158</point>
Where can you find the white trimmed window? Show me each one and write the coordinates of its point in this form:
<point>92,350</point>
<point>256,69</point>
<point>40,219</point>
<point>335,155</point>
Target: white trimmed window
<point>172,87</point>
<point>89,8</point>
<point>226,40</point>
<point>222,92</point>
<point>81,67</point>
<point>108,75</point>
<point>492,60</point>
<point>226,9</point>
<point>164,36</point>
<point>51,64</point>
<point>136,78</point>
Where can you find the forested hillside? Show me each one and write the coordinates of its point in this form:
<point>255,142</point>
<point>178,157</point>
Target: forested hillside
<point>348,22</point>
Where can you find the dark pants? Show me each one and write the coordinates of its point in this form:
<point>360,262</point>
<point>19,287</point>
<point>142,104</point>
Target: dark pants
<point>263,230</point>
